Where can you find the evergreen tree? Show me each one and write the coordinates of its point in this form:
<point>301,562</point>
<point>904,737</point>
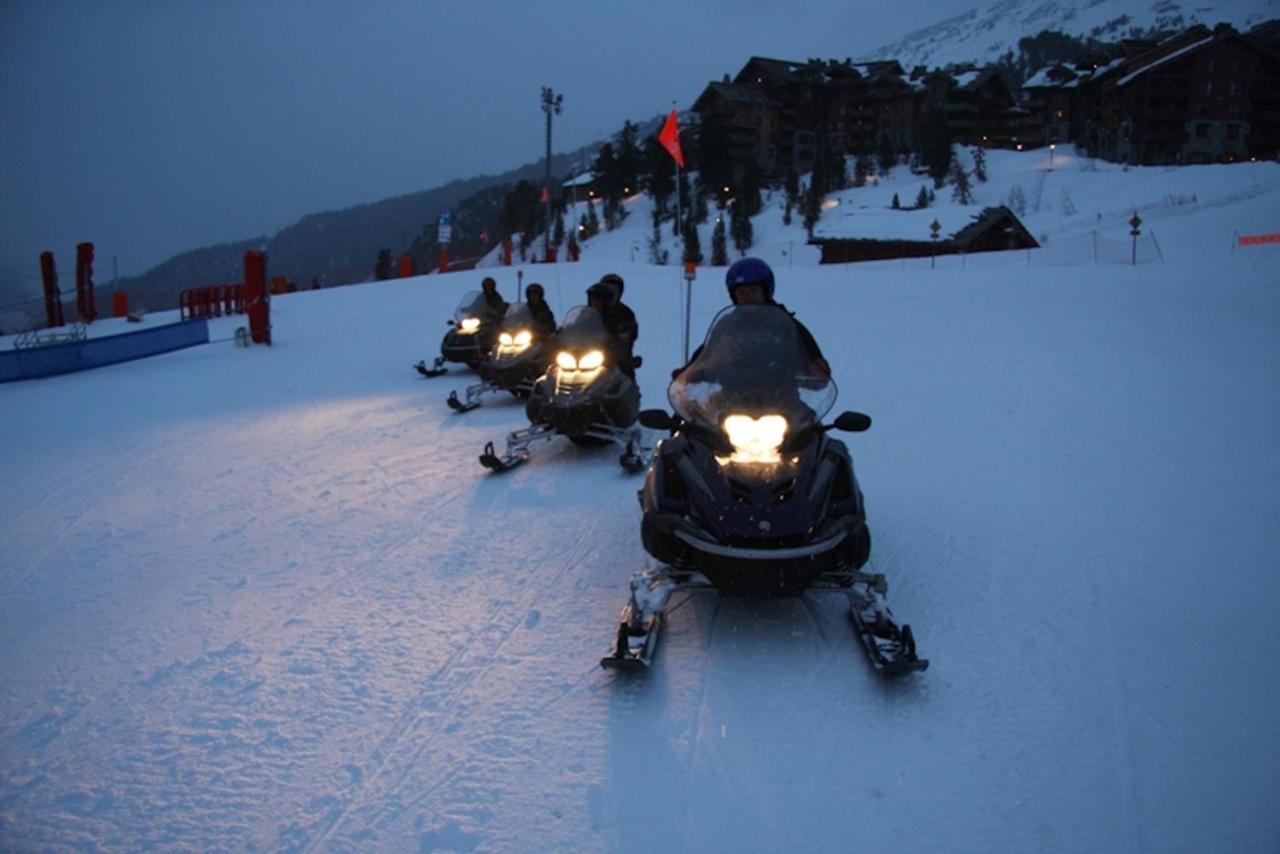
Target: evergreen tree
<point>936,147</point>
<point>719,257</point>
<point>557,233</point>
<point>792,188</point>
<point>811,208</point>
<point>961,191</point>
<point>592,221</point>
<point>382,270</point>
<point>628,158</point>
<point>980,163</point>
<point>861,168</point>
<point>657,255</point>
<point>922,198</point>
<point>749,190</point>
<point>692,246</point>
<point>740,229</point>
<point>896,204</point>
<point>887,154</point>
<point>659,173</point>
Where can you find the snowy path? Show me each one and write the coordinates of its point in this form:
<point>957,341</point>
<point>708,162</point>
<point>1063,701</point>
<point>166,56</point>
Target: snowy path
<point>269,599</point>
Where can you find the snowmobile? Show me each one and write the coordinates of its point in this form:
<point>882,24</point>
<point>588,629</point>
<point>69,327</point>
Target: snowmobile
<point>750,496</point>
<point>519,356</point>
<point>471,334</point>
<point>584,395</point>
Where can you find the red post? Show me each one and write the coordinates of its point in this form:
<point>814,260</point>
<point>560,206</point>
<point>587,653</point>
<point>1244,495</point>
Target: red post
<point>506,252</point>
<point>406,266</point>
<point>574,250</point>
<point>257,299</point>
<point>444,259</point>
<point>52,296</point>
<point>84,282</point>
<point>119,304</point>
<point>551,254</point>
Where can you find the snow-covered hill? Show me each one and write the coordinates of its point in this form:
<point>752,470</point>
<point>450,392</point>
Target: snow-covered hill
<point>988,32</point>
<point>267,599</point>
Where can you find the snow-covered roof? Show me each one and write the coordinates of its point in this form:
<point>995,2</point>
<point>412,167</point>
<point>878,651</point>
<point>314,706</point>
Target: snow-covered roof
<point>847,222</point>
<point>1180,52</point>
<point>580,180</point>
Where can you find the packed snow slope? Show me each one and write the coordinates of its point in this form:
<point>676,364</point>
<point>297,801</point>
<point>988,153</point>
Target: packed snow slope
<point>267,598</point>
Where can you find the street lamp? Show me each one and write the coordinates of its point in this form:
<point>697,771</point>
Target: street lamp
<point>551,103</point>
<point>1052,146</point>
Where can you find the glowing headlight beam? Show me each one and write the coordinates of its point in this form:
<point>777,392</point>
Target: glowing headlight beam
<point>524,338</point>
<point>755,440</point>
<point>566,361</point>
<point>505,339</point>
<point>591,360</point>
<point>469,324</point>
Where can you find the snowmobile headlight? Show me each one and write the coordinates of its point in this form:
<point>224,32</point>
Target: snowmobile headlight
<point>505,339</point>
<point>524,338</point>
<point>755,440</point>
<point>566,361</point>
<point>469,325</point>
<point>591,360</point>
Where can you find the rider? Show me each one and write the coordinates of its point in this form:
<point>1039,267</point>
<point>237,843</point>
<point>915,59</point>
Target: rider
<point>624,317</point>
<point>750,282</point>
<point>543,320</point>
<point>602,297</point>
<point>493,299</point>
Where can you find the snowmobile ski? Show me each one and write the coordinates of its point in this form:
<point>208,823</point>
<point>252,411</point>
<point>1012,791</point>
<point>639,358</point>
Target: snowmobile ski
<point>635,643</point>
<point>437,367</point>
<point>490,460</point>
<point>891,648</point>
<point>456,404</point>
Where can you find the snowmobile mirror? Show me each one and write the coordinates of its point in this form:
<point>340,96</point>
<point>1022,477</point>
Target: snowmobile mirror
<point>449,322</point>
<point>656,419</point>
<point>852,422</point>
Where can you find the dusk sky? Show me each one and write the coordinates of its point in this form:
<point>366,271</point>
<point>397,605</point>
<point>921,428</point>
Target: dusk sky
<point>150,128</point>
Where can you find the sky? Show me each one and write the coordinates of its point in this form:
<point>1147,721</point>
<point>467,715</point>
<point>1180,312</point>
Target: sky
<point>150,128</point>
<point>267,599</point>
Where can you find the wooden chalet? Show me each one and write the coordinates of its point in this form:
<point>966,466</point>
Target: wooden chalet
<point>995,229</point>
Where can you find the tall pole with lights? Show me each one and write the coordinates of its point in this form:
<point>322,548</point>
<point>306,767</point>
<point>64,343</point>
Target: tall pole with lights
<point>551,103</point>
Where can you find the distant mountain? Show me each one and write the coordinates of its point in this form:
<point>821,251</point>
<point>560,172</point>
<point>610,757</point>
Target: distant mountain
<point>991,31</point>
<point>331,247</point>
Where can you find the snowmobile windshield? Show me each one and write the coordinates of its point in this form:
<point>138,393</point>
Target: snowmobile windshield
<point>753,366</point>
<point>583,329</point>
<point>517,318</point>
<point>472,304</point>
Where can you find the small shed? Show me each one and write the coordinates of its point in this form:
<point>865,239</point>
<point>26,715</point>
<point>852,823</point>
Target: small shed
<point>874,235</point>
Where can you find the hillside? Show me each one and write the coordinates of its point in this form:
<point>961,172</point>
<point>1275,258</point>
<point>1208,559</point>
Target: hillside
<point>992,30</point>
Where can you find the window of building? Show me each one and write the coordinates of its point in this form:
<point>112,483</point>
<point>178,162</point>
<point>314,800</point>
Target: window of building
<point>1202,130</point>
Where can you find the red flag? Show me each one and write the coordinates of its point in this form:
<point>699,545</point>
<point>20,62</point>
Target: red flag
<point>546,197</point>
<point>670,139</point>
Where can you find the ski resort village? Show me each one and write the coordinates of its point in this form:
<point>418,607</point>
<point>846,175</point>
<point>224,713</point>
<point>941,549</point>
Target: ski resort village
<point>898,475</point>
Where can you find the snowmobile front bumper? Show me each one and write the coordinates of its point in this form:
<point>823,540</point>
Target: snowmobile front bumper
<point>763,569</point>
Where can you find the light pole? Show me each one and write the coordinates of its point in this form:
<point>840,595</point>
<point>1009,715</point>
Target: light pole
<point>1052,146</point>
<point>551,103</point>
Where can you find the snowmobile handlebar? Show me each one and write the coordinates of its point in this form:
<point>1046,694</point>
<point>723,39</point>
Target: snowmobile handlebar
<point>848,421</point>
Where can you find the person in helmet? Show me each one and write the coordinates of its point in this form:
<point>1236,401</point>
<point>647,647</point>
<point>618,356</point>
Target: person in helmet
<point>497,305</point>
<point>603,298</point>
<point>624,319</point>
<point>543,319</point>
<point>750,282</point>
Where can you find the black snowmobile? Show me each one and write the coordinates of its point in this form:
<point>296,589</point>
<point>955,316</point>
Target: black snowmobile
<point>471,334</point>
<point>583,395</point>
<point>519,356</point>
<point>750,496</point>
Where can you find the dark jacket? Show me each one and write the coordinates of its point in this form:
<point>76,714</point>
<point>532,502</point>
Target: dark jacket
<point>497,305</point>
<point>543,319</point>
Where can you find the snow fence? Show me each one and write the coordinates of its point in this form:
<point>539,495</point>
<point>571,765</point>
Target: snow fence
<point>51,359</point>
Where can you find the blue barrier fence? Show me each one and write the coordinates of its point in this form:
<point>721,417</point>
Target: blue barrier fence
<point>51,359</point>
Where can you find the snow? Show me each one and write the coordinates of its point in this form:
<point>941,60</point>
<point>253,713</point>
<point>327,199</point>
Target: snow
<point>267,598</point>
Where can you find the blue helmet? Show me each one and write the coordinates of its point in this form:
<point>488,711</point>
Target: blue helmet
<point>750,271</point>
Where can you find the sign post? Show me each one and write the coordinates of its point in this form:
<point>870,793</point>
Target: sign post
<point>1135,229</point>
<point>690,273</point>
